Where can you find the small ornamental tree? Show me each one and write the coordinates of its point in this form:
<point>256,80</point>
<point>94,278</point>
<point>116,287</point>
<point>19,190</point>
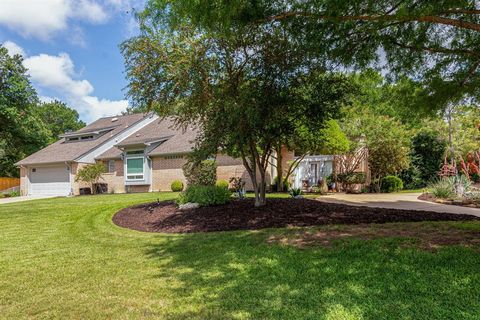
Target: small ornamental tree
<point>91,174</point>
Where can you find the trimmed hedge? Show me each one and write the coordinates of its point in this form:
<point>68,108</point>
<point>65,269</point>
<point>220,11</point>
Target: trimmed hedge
<point>177,186</point>
<point>205,195</point>
<point>391,184</point>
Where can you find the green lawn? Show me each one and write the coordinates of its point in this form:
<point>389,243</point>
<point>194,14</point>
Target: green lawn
<point>63,258</point>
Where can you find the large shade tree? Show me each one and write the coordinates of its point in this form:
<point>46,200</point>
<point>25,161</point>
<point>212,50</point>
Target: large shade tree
<point>242,88</point>
<point>435,41</point>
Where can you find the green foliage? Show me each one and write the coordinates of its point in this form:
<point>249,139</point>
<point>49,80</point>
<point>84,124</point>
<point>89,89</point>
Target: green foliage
<point>391,184</point>
<point>443,188</point>
<point>22,131</point>
<point>176,186</point>
<point>222,183</point>
<point>333,139</point>
<point>433,41</point>
<point>286,184</point>
<point>202,173</point>
<point>450,187</point>
<point>238,186</point>
<point>250,90</point>
<point>411,178</point>
<point>352,178</point>
<point>90,174</point>
<point>205,195</point>
<point>428,151</point>
<point>59,118</point>
<point>295,192</point>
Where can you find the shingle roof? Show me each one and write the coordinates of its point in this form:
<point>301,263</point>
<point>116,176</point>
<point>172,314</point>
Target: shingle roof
<point>62,151</point>
<point>112,153</point>
<point>174,140</point>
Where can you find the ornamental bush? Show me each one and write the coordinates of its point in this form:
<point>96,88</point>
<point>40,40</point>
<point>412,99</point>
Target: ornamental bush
<point>177,186</point>
<point>222,183</point>
<point>391,184</point>
<point>202,173</point>
<point>205,195</point>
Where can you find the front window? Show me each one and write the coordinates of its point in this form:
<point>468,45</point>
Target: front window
<point>135,168</point>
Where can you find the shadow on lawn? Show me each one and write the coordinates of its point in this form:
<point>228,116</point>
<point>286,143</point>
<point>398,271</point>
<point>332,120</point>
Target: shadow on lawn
<point>239,275</point>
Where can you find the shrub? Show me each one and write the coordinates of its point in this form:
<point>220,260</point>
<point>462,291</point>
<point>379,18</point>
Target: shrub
<point>222,183</point>
<point>286,184</point>
<point>177,186</point>
<point>352,178</point>
<point>295,192</point>
<point>474,197</point>
<point>443,188</point>
<point>202,173</point>
<point>411,178</point>
<point>14,193</point>
<point>391,184</point>
<point>205,195</point>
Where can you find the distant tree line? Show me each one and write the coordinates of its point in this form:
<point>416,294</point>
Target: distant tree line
<point>27,124</point>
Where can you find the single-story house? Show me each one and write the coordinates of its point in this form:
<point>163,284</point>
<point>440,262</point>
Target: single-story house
<point>141,152</point>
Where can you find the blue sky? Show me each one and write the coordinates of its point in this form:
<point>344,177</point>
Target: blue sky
<point>71,49</point>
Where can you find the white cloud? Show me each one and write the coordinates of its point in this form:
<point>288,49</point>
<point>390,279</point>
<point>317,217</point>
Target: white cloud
<point>57,74</point>
<point>42,19</point>
<point>13,48</point>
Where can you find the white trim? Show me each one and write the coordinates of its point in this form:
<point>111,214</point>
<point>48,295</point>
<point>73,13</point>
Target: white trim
<point>90,156</point>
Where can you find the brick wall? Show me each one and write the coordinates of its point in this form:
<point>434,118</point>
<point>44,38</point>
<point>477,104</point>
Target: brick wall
<point>23,181</point>
<point>165,171</point>
<point>115,180</point>
<point>73,173</point>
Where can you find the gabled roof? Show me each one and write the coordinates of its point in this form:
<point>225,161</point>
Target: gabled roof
<point>159,137</point>
<point>63,151</point>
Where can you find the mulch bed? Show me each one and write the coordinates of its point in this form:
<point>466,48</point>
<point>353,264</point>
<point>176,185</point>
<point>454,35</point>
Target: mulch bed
<point>242,215</point>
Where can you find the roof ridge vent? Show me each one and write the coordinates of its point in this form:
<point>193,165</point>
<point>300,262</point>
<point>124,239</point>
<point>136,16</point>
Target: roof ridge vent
<point>114,119</point>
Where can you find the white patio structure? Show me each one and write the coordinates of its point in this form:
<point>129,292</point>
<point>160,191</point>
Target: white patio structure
<point>312,169</point>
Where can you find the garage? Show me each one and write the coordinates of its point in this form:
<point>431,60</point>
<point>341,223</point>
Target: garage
<point>51,181</point>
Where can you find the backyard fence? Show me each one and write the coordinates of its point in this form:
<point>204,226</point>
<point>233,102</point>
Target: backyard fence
<point>6,183</point>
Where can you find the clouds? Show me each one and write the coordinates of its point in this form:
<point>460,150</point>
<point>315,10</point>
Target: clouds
<point>42,19</point>
<point>13,48</point>
<point>57,73</point>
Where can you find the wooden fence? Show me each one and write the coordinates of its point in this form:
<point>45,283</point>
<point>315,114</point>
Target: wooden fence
<point>6,183</point>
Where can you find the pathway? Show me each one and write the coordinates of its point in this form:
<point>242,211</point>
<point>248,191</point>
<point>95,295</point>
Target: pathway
<point>407,201</point>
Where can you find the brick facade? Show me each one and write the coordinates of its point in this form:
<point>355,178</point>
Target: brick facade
<point>23,181</point>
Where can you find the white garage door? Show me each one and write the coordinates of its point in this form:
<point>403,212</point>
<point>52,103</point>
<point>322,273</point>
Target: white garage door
<point>54,181</point>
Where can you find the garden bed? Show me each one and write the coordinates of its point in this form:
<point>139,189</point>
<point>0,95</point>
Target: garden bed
<point>242,215</point>
<point>456,202</point>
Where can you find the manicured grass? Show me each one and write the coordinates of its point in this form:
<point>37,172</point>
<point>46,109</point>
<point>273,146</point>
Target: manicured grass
<point>63,258</point>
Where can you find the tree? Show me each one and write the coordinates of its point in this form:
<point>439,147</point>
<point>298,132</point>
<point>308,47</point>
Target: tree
<point>91,174</point>
<point>22,131</point>
<point>387,142</point>
<point>435,41</point>
<point>59,118</point>
<point>241,88</point>
<point>428,152</point>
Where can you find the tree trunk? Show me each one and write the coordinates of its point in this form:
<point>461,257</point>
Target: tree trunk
<point>280,184</point>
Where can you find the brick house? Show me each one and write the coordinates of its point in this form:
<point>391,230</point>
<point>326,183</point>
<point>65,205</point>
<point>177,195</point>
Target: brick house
<point>141,153</point>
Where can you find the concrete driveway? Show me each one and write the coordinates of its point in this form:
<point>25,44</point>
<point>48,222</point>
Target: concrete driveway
<point>22,198</point>
<point>407,201</point>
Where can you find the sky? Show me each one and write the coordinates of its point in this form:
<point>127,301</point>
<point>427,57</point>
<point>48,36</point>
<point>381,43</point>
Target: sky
<point>71,49</point>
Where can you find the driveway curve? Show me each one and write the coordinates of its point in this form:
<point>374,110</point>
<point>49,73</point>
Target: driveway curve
<point>407,201</point>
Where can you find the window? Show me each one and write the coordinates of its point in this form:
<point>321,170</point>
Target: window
<point>111,166</point>
<point>135,168</point>
<point>87,138</point>
<point>174,157</point>
<point>135,152</point>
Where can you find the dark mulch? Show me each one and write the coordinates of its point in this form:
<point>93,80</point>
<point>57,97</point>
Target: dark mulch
<point>242,215</point>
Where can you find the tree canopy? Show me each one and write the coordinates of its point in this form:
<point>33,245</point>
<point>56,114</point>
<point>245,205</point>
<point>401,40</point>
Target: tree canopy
<point>26,125</point>
<point>249,91</point>
<point>434,41</point>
